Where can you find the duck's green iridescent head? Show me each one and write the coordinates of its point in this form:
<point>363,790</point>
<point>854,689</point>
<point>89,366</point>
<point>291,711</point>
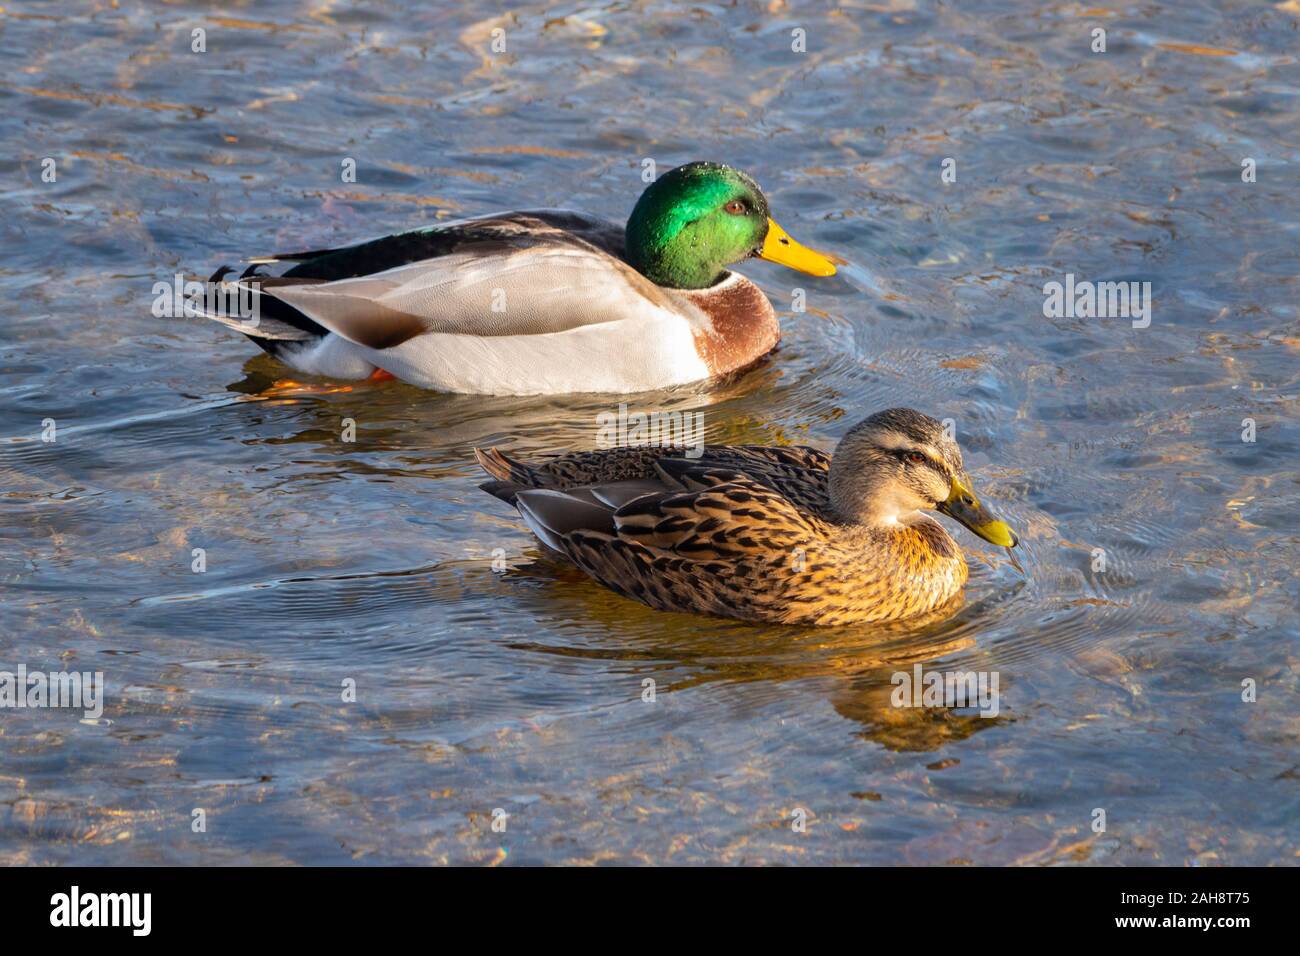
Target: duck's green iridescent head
<point>697,219</point>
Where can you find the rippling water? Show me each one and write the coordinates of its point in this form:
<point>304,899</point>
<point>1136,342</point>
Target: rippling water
<point>372,561</point>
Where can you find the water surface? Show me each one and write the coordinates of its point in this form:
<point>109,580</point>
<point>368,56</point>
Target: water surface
<point>372,561</point>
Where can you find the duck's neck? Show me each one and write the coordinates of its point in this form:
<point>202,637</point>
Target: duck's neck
<point>739,327</point>
<point>908,532</point>
<point>912,539</point>
<point>899,570</point>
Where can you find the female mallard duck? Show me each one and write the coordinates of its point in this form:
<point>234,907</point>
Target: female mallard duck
<point>787,535</point>
<point>539,302</point>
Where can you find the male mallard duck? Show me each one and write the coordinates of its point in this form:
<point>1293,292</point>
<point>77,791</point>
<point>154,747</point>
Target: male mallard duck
<point>787,535</point>
<point>539,302</point>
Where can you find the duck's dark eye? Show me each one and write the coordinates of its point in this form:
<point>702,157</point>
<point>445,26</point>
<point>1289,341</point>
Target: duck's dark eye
<point>914,457</point>
<point>736,207</point>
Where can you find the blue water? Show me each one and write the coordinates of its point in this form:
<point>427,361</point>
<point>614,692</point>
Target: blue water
<point>371,561</point>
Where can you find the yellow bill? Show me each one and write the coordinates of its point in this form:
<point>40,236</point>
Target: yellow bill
<point>963,506</point>
<point>780,248</point>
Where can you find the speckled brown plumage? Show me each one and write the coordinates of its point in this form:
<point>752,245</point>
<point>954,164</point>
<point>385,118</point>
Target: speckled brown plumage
<point>743,531</point>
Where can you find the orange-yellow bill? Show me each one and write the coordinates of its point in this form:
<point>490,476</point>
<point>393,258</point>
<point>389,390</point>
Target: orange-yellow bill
<point>779,247</point>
